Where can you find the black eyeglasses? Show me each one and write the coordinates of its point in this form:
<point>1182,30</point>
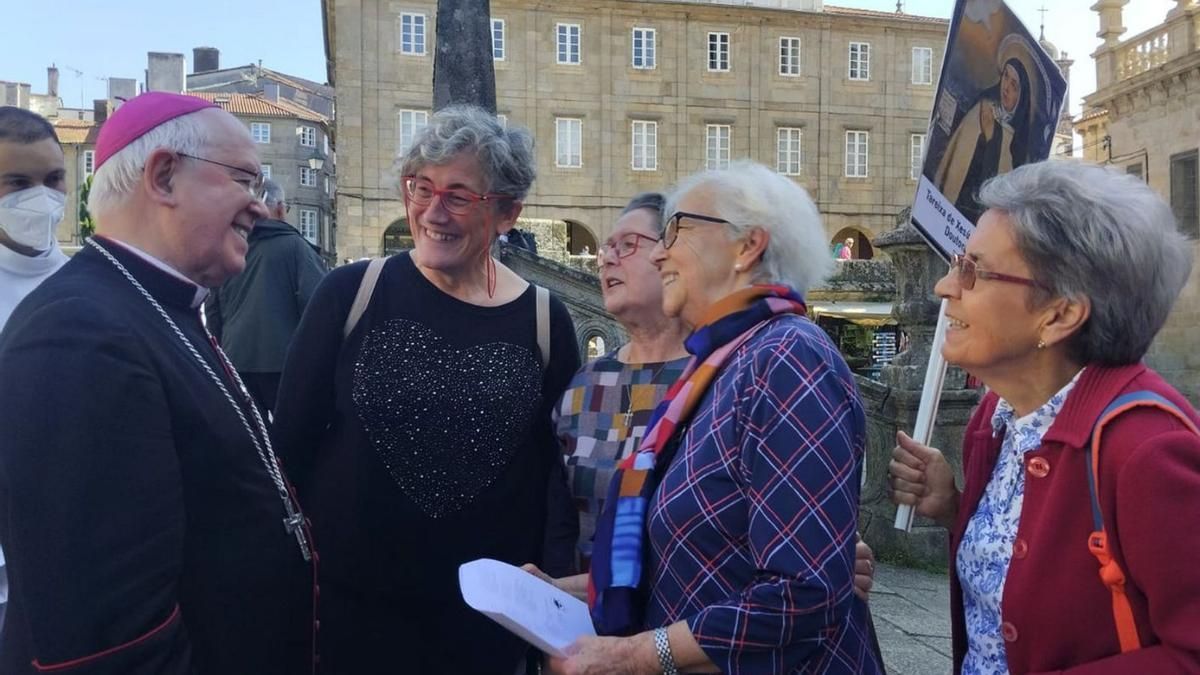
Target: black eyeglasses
<point>458,201</point>
<point>967,272</point>
<point>625,245</point>
<point>671,231</point>
<point>256,186</point>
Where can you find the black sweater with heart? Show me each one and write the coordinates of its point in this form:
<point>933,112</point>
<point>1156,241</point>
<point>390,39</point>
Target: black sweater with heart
<point>420,442</point>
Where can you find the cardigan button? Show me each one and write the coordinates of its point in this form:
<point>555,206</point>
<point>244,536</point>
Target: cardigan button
<point>1020,549</point>
<point>1008,632</point>
<point>1039,467</point>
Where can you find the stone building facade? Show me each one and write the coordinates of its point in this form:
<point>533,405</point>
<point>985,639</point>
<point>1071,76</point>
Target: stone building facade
<point>1143,118</point>
<point>78,140</point>
<point>288,138</point>
<point>625,96</point>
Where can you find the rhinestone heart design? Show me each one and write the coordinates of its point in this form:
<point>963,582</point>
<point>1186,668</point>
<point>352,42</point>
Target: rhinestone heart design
<point>445,421</point>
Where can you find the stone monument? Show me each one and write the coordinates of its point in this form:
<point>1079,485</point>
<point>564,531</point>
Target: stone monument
<point>462,73</point>
<point>892,403</point>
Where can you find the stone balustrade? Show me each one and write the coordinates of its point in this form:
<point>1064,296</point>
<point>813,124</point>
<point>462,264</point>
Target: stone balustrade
<point>1148,50</point>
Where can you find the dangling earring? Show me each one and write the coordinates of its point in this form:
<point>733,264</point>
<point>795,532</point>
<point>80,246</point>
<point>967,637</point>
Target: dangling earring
<point>1041,344</point>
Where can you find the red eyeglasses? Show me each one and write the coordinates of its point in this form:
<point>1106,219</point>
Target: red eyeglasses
<point>458,201</point>
<point>968,272</point>
<point>626,245</point>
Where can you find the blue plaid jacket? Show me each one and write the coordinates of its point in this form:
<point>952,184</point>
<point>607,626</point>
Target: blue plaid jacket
<point>752,529</point>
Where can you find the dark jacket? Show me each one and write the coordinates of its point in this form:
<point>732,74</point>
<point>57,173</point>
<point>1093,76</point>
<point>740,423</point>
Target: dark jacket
<point>1057,614</point>
<point>254,314</point>
<point>145,536</point>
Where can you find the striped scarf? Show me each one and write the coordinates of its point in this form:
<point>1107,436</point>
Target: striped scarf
<point>615,585</point>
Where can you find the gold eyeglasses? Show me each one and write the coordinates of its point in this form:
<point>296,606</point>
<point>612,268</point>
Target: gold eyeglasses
<point>256,185</point>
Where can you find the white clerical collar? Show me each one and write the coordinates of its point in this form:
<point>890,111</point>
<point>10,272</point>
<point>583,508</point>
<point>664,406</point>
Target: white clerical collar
<point>201,292</point>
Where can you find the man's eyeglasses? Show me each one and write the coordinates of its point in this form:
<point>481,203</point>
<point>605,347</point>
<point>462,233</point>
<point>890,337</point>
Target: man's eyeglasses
<point>967,272</point>
<point>458,201</point>
<point>255,185</point>
<point>671,231</point>
<point>625,245</point>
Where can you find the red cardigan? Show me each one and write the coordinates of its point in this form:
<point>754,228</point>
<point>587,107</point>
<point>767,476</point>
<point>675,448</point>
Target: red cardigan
<point>1056,613</point>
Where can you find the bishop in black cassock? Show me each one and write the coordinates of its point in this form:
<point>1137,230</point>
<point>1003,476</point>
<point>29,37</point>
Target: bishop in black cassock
<point>141,508</point>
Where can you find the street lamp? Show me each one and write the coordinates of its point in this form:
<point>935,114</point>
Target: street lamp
<point>316,161</point>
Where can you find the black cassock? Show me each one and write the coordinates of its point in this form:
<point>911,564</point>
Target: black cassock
<point>142,531</point>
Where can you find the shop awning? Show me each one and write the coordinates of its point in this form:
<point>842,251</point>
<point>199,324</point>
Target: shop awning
<point>863,313</point>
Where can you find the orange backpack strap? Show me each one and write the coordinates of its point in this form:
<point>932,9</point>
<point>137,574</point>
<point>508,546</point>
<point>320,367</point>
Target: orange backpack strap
<point>1110,571</point>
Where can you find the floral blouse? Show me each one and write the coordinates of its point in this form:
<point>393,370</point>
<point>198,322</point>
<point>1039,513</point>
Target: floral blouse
<point>986,548</point>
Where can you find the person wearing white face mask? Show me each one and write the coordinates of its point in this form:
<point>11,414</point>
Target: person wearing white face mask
<point>32,175</point>
<point>32,171</point>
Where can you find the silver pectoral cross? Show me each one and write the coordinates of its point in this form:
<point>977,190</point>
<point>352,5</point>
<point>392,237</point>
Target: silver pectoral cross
<point>294,524</point>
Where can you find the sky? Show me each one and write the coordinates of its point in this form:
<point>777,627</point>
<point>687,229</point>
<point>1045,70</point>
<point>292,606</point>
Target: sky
<point>97,39</point>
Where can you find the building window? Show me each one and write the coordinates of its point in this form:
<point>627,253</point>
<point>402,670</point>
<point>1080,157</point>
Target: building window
<point>789,56</point>
<point>568,134</point>
<point>716,146</point>
<point>922,65</point>
<point>718,52</point>
<point>1184,178</point>
<point>308,137</point>
<point>787,150</point>
<point>411,122</point>
<point>412,34</point>
<point>860,61</point>
<point>266,170</point>
<point>89,162</point>
<point>1135,170</point>
<point>856,154</point>
<point>260,132</point>
<point>645,145</point>
<point>568,43</point>
<point>308,177</point>
<point>916,152</point>
<point>308,224</point>
<point>643,48</point>
<point>498,39</point>
<point>326,184</point>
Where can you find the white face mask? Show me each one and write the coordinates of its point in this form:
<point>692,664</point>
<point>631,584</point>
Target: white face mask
<point>29,216</point>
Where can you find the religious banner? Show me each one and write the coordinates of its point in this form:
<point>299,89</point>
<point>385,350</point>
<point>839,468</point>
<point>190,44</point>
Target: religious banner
<point>997,105</point>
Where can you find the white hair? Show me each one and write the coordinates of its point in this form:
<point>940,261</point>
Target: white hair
<point>117,178</point>
<point>750,195</point>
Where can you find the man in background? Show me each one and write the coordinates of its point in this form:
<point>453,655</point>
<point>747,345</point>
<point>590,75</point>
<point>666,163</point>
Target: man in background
<point>254,314</point>
<point>32,175</point>
<point>32,200</point>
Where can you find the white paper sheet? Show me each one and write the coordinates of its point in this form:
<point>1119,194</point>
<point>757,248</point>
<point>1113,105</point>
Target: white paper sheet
<point>541,614</point>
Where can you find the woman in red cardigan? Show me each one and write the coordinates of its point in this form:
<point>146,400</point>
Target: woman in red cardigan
<point>1069,275</point>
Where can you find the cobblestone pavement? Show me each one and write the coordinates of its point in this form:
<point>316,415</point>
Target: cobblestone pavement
<point>911,609</point>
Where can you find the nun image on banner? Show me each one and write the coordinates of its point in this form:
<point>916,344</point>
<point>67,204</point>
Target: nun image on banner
<point>997,106</point>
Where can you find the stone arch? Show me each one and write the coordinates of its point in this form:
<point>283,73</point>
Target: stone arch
<point>397,237</point>
<point>863,250</point>
<point>579,236</point>
<point>589,328</point>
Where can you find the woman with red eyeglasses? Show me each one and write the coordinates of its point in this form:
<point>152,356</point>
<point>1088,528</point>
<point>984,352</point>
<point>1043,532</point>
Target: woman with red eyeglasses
<point>419,434</point>
<point>1071,272</point>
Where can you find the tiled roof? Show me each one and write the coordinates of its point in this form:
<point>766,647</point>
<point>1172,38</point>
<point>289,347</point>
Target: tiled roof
<point>876,14</point>
<point>75,132</point>
<point>253,105</point>
<point>1091,114</point>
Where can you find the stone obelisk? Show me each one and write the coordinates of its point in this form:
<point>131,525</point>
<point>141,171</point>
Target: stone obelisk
<point>462,64</point>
